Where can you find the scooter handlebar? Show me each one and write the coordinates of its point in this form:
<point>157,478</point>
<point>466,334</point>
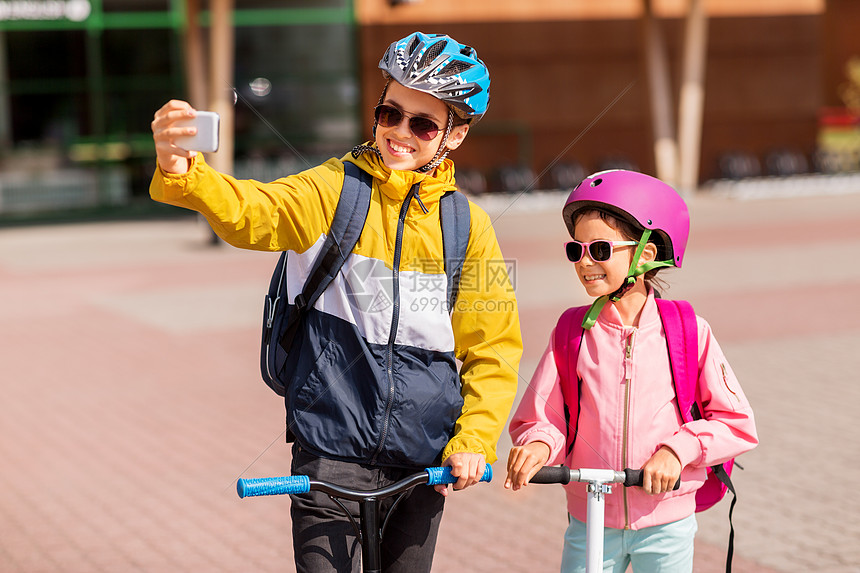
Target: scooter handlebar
<point>564,475</point>
<point>289,485</point>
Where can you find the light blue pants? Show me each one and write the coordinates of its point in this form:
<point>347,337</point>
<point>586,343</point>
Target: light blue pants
<point>662,548</point>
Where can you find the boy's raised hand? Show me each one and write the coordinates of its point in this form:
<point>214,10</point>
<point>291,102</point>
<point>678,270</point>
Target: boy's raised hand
<point>524,462</point>
<point>171,158</point>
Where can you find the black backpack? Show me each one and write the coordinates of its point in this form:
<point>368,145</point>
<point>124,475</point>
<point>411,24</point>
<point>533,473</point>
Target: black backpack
<point>282,317</point>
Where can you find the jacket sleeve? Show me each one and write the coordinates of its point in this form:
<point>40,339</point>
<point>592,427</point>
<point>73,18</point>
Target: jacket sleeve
<point>288,214</point>
<point>727,428</point>
<point>540,413</point>
<point>487,341</point>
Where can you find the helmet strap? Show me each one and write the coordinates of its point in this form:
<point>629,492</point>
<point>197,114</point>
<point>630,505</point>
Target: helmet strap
<point>442,153</point>
<point>364,148</point>
<point>379,103</point>
<point>633,273</point>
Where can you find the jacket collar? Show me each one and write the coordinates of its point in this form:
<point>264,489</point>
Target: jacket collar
<point>395,184</point>
<point>610,316</point>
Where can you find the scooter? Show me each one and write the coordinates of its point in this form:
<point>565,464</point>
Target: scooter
<point>368,530</point>
<point>599,484</point>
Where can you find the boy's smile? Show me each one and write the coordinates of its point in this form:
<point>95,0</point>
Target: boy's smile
<point>399,149</point>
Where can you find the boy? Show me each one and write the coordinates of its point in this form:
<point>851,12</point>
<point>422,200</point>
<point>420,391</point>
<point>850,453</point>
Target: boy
<point>377,393</point>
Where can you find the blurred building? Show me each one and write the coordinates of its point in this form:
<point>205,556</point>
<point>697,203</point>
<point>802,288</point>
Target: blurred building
<point>771,69</point>
<point>80,80</point>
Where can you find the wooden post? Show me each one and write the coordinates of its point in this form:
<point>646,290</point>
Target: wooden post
<point>221,95</point>
<point>195,59</point>
<point>660,90</point>
<point>692,100</point>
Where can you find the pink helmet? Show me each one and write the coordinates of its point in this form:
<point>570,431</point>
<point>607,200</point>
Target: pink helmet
<point>638,198</point>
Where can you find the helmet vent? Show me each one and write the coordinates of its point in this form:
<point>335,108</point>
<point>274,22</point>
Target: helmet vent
<point>454,68</point>
<point>596,182</point>
<point>412,45</point>
<point>431,54</point>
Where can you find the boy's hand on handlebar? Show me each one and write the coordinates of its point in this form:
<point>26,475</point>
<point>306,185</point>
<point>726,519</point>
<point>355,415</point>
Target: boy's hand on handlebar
<point>661,471</point>
<point>171,158</point>
<point>524,462</point>
<point>465,466</point>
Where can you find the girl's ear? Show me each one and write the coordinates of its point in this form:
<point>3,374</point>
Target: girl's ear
<point>649,254</point>
<point>456,137</point>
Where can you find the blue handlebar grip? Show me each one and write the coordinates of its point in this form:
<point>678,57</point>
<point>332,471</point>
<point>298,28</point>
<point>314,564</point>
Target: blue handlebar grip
<point>439,476</point>
<point>273,486</point>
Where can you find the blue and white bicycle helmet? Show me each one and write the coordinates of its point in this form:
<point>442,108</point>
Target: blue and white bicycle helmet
<point>442,67</point>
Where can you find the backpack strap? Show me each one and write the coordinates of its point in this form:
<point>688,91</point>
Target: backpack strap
<point>566,343</point>
<point>682,338</point>
<point>455,217</point>
<point>346,227</point>
<point>681,328</point>
<point>723,476</point>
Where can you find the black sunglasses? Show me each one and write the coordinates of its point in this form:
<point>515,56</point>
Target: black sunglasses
<point>421,127</point>
<point>600,250</point>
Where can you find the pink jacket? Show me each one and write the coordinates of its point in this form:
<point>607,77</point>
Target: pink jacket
<point>628,411</point>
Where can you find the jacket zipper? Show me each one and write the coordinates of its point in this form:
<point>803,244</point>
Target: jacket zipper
<point>272,307</point>
<point>395,318</point>
<point>628,382</point>
<point>420,202</point>
<point>726,380</point>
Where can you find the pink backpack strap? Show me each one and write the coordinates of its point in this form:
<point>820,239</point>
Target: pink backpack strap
<point>565,346</point>
<point>682,338</point>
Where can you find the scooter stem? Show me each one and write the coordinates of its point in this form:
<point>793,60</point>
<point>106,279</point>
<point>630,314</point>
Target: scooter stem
<point>594,525</point>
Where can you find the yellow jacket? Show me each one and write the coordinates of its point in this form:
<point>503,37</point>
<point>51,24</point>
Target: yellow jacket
<point>404,418</point>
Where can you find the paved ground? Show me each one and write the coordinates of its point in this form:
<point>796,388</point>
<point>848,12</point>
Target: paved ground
<point>131,401</point>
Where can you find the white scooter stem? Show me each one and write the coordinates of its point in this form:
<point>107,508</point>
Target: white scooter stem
<point>598,486</point>
<point>594,525</point>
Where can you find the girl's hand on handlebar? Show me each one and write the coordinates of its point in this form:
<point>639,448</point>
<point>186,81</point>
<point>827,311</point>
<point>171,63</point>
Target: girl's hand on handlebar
<point>465,466</point>
<point>171,158</point>
<point>661,471</point>
<point>524,462</point>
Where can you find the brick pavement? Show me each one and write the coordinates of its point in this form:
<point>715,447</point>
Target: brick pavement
<point>131,400</point>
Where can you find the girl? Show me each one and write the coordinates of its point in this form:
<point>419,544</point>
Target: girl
<point>381,390</point>
<point>626,226</point>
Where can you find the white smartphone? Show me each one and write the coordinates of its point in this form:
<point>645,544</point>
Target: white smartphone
<point>206,138</point>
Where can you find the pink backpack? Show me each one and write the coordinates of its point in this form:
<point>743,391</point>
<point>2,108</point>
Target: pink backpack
<point>679,323</point>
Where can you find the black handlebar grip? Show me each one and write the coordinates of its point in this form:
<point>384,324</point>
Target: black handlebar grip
<point>634,478</point>
<point>552,474</point>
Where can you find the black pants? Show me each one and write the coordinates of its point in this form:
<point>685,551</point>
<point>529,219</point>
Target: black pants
<point>324,539</point>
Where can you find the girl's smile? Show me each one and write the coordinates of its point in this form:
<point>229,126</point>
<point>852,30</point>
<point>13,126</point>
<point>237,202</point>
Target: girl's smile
<point>592,278</point>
